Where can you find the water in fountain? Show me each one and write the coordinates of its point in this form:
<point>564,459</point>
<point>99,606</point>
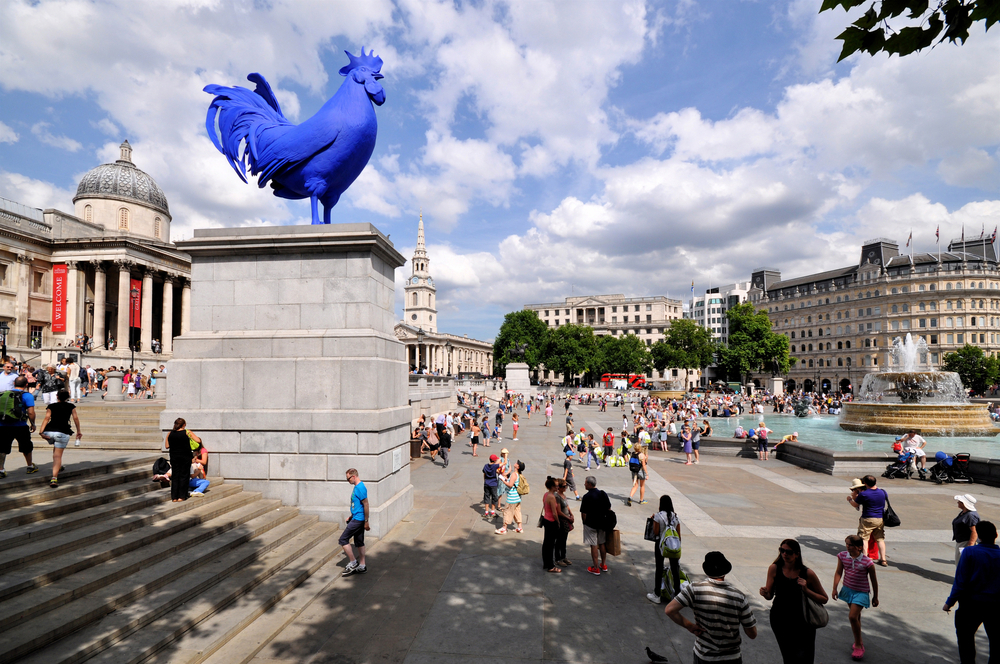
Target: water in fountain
<point>908,385</point>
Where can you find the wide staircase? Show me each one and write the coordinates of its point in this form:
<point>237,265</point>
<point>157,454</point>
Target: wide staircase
<point>125,426</point>
<point>107,569</point>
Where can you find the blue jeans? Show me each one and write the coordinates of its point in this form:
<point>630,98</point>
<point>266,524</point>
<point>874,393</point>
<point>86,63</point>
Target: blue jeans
<point>592,455</point>
<point>198,485</point>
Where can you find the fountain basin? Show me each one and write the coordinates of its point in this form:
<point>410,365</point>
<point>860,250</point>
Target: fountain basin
<point>928,419</point>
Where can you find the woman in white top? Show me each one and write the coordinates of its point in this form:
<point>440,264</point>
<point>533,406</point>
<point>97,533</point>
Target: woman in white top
<point>662,520</point>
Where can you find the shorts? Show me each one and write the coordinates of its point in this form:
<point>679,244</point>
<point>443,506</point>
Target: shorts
<point>475,440</point>
<point>695,444</point>
<point>638,475</point>
<point>21,434</point>
<point>355,529</point>
<point>867,527</point>
<point>762,446</point>
<point>571,483</point>
<point>592,537</point>
<point>916,451</point>
<point>850,596</point>
<point>60,440</point>
<point>489,494</point>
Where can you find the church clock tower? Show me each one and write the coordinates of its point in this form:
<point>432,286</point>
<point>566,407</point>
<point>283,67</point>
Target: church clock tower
<point>419,307</point>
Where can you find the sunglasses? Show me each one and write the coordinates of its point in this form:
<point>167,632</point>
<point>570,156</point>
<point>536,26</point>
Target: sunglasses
<point>784,551</point>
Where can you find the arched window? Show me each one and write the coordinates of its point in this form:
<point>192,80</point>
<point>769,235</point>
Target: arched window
<point>810,346</point>
<point>88,213</point>
<point>895,309</point>
<point>840,361</point>
<point>792,349</point>
<point>430,300</point>
<point>156,227</point>
<point>123,219</point>
<point>416,299</point>
<point>894,291</point>
<point>947,286</point>
<point>810,362</point>
<point>847,344</point>
<point>840,345</point>
<point>906,308</point>
<point>876,293</point>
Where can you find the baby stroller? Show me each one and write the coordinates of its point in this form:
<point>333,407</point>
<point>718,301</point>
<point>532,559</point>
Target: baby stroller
<point>949,469</point>
<point>902,468</point>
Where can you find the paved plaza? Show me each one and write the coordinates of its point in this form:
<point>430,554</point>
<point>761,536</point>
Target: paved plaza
<point>442,587</point>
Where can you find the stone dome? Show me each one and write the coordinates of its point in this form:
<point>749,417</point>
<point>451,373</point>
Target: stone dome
<point>122,181</point>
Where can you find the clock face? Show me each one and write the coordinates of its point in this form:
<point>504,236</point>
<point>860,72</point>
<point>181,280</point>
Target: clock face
<point>414,317</point>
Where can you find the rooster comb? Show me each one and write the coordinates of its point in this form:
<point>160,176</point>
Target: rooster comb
<point>370,60</point>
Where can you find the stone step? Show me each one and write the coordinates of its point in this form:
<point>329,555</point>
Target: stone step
<point>93,544</point>
<point>131,426</point>
<point>257,629</point>
<point>47,511</point>
<point>40,492</point>
<point>84,628</point>
<point>135,446</point>
<point>11,485</point>
<point>211,539</point>
<point>206,624</point>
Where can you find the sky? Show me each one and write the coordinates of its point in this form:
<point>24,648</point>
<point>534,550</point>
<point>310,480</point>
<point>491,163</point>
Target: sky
<point>555,148</point>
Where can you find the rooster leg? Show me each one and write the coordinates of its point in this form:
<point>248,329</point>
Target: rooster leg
<point>326,213</point>
<point>314,203</point>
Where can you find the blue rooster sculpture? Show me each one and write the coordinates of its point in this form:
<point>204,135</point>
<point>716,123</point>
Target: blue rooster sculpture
<point>318,159</point>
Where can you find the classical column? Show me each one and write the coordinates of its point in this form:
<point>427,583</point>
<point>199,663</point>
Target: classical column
<point>166,337</point>
<point>186,306</point>
<point>100,300</point>
<point>146,324</point>
<point>22,333</point>
<point>72,295</point>
<point>124,283</point>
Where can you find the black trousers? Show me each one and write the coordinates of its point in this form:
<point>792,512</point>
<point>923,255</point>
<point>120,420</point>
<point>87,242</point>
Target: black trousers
<point>968,618</point>
<point>560,549</point>
<point>180,475</point>
<point>549,543</point>
<point>675,570</point>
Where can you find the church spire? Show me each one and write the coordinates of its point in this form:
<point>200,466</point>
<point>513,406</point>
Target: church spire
<point>420,259</point>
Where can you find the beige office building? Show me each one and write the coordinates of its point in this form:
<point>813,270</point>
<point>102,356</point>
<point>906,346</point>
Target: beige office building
<point>841,324</point>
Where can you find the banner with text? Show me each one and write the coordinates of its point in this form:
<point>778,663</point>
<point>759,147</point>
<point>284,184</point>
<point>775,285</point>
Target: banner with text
<point>59,273</point>
<point>135,309</point>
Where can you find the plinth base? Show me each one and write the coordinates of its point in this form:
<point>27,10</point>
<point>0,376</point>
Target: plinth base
<point>927,419</point>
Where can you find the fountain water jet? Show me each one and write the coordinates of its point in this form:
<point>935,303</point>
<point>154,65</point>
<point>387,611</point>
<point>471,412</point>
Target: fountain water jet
<point>931,402</point>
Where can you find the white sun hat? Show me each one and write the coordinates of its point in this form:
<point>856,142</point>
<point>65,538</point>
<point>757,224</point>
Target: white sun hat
<point>968,501</point>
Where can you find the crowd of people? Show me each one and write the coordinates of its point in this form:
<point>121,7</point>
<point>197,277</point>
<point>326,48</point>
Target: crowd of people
<point>44,382</point>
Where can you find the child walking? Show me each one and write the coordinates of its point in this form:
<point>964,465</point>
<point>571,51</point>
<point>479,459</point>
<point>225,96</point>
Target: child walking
<point>856,569</point>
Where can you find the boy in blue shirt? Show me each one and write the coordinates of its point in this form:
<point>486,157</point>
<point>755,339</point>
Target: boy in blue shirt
<point>357,524</point>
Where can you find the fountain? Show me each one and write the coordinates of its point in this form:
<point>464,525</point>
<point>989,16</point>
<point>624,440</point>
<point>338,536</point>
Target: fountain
<point>933,403</point>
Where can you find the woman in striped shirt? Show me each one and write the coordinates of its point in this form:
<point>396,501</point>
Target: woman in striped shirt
<point>856,569</point>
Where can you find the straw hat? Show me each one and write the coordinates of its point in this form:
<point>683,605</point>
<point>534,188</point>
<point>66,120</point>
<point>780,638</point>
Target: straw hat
<point>968,501</point>
<point>857,484</point>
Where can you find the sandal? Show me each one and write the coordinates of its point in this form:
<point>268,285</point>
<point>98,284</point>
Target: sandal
<point>883,563</point>
<point>554,570</point>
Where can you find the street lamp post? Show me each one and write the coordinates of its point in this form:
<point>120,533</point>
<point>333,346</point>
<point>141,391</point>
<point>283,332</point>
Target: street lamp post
<point>448,346</point>
<point>134,299</point>
<point>420,346</point>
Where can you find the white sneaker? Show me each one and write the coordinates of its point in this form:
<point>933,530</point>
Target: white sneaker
<point>197,493</point>
<point>654,598</point>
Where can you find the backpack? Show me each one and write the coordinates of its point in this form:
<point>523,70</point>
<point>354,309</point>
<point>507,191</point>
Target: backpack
<point>161,466</point>
<point>670,542</point>
<point>667,590</point>
<point>12,407</point>
<point>522,485</point>
<point>634,463</point>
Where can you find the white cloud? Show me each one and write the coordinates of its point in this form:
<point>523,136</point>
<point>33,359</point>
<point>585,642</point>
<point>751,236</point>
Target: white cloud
<point>106,126</point>
<point>41,130</point>
<point>35,193</point>
<point>7,135</point>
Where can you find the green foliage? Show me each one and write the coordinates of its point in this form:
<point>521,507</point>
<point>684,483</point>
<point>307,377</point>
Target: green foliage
<point>873,33</point>
<point>752,345</point>
<point>975,368</point>
<point>625,354</point>
<point>519,327</point>
<point>686,345</point>
<point>570,350</point>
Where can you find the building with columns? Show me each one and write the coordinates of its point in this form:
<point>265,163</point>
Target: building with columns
<point>426,348</point>
<point>108,271</point>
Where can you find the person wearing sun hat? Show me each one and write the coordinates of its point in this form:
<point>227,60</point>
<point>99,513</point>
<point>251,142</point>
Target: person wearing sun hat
<point>719,611</point>
<point>490,487</point>
<point>963,526</point>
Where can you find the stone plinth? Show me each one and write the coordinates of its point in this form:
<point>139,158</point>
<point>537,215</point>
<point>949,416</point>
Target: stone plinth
<point>517,378</point>
<point>777,387</point>
<point>113,386</point>
<point>290,372</point>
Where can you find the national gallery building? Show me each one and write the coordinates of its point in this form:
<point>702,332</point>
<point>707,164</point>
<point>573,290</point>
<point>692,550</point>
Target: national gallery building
<point>841,324</point>
<point>107,272</point>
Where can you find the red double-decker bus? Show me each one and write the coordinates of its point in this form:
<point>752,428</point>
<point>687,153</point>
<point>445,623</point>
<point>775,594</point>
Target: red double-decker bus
<point>621,381</point>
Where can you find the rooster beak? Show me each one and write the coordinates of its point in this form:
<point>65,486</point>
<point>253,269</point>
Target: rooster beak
<point>377,76</point>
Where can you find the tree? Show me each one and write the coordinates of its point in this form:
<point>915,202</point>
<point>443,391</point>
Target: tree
<point>520,327</point>
<point>752,345</point>
<point>949,19</point>
<point>570,350</point>
<point>977,370</point>
<point>686,345</point>
<point>626,354</point>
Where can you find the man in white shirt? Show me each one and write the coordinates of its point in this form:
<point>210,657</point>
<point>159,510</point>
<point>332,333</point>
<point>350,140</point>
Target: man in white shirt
<point>8,377</point>
<point>915,443</point>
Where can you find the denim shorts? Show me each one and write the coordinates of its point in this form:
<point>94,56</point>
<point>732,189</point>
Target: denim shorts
<point>854,597</point>
<point>60,440</point>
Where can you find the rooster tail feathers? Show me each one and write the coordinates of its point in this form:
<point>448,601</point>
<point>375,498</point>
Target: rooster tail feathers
<point>242,117</point>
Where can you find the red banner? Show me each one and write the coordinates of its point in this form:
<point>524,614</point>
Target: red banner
<point>59,299</point>
<point>135,309</point>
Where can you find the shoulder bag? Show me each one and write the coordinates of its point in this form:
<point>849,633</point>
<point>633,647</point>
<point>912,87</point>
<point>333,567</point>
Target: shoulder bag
<point>815,613</point>
<point>649,535</point>
<point>889,517</point>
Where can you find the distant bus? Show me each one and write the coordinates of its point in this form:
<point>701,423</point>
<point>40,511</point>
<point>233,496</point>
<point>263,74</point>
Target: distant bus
<point>624,381</point>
